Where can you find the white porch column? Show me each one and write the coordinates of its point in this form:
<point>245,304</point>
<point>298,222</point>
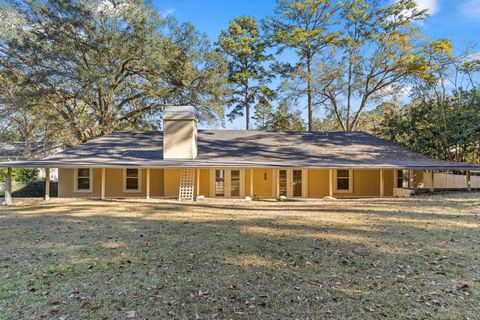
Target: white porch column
<point>102,192</point>
<point>147,182</point>
<point>395,178</point>
<point>8,188</point>
<point>382,187</point>
<point>469,180</point>
<point>330,182</point>
<point>432,178</point>
<point>198,183</point>
<point>47,184</point>
<point>251,183</point>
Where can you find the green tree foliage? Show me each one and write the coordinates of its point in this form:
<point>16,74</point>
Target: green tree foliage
<point>20,174</point>
<point>246,50</point>
<point>379,51</point>
<point>285,119</point>
<point>91,67</point>
<point>448,131</point>
<point>369,121</point>
<point>263,114</point>
<point>328,123</point>
<point>444,118</point>
<point>305,26</point>
<point>25,174</point>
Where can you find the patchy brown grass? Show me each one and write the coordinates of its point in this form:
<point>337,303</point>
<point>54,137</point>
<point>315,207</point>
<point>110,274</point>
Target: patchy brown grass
<point>361,259</point>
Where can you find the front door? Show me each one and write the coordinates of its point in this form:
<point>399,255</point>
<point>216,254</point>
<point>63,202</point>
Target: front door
<point>292,183</point>
<point>297,183</point>
<point>228,183</point>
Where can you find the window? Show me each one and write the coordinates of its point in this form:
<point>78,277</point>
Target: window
<point>227,183</point>
<point>297,183</point>
<point>219,183</point>
<point>403,178</point>
<point>399,179</point>
<point>83,180</point>
<point>344,181</point>
<point>131,181</point>
<point>235,183</point>
<point>283,183</point>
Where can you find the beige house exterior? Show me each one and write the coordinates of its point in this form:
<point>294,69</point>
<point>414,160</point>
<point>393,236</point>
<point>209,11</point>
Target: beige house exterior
<point>186,164</point>
<point>254,183</point>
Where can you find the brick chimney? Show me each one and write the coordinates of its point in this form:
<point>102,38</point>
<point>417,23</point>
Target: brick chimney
<point>179,133</point>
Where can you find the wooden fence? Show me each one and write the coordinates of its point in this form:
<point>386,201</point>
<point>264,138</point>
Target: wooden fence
<point>448,180</point>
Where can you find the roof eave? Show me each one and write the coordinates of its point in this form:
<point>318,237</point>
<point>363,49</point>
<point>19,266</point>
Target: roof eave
<point>233,164</point>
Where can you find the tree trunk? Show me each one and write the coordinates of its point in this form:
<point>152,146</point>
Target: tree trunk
<point>349,93</point>
<point>309,93</point>
<point>247,106</point>
<point>247,115</point>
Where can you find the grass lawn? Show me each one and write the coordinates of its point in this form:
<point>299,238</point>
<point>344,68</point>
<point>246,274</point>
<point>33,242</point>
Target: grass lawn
<point>362,259</point>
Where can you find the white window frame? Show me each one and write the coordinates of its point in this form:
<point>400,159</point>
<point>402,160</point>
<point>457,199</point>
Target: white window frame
<point>350,181</point>
<point>75,181</point>
<point>124,179</point>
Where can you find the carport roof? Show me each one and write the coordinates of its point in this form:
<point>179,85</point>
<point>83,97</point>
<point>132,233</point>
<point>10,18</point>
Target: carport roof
<point>235,148</point>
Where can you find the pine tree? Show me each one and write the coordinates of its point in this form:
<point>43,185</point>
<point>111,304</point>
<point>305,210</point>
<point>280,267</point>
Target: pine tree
<point>246,51</point>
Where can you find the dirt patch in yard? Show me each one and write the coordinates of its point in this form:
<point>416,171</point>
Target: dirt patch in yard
<point>361,259</point>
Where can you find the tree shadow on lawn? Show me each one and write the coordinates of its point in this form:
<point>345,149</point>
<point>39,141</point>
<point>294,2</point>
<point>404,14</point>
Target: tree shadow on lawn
<point>101,260</point>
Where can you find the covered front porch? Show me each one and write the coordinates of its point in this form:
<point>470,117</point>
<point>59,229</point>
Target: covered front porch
<point>237,182</point>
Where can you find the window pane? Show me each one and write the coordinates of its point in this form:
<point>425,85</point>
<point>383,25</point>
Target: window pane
<point>132,183</point>
<point>219,183</point>
<point>235,183</point>
<point>132,173</point>
<point>83,183</point>
<point>342,184</point>
<point>84,172</point>
<point>343,173</point>
<point>297,183</point>
<point>399,178</point>
<point>283,182</point>
<point>406,179</point>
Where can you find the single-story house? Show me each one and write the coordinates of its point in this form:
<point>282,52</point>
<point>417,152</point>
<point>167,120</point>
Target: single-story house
<point>184,163</point>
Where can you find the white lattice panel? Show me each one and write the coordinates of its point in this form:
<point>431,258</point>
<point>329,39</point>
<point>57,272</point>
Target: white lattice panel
<point>187,181</point>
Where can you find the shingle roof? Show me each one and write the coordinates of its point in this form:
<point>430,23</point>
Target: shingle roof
<point>231,148</point>
<point>24,150</point>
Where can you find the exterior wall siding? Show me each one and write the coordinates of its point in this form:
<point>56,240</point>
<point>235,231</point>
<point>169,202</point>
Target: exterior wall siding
<point>66,184</point>
<point>171,182</point>
<point>318,183</point>
<point>388,176</point>
<point>205,182</point>
<point>156,183</point>
<point>366,183</point>
<point>113,184</point>
<point>261,187</point>
<point>166,182</point>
